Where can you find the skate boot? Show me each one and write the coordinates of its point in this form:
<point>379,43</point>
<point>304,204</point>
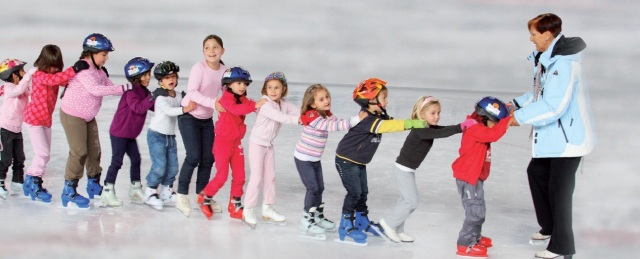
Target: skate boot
<point>485,241</point>
<point>539,239</point>
<point>37,192</point>
<point>3,191</point>
<point>93,186</point>
<point>69,194</point>
<point>167,195</point>
<point>249,218</point>
<point>26,187</point>
<point>16,187</point>
<point>135,193</point>
<point>347,229</point>
<point>474,251</point>
<point>183,204</point>
<point>271,215</point>
<point>152,199</point>
<point>405,238</point>
<point>546,254</point>
<point>362,222</point>
<point>235,207</point>
<point>323,222</point>
<point>204,202</point>
<point>108,197</point>
<point>308,227</point>
<point>389,231</point>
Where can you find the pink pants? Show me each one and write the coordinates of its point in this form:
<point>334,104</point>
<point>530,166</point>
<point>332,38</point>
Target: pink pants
<point>262,162</point>
<point>227,152</point>
<point>40,137</point>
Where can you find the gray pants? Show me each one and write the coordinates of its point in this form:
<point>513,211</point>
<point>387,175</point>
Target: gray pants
<point>408,201</point>
<point>474,211</point>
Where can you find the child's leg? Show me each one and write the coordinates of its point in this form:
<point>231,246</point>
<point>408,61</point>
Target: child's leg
<point>350,175</point>
<point>76,130</point>
<point>474,207</point>
<point>192,139</point>
<point>94,150</point>
<point>118,149</point>
<point>364,186</point>
<point>206,155</point>
<point>40,137</point>
<point>222,150</point>
<point>269,180</point>
<point>408,201</point>
<point>319,176</point>
<point>6,153</point>
<point>19,158</point>
<point>308,171</point>
<point>257,165</point>
<point>172,162</point>
<point>134,154</point>
<point>157,152</point>
<point>237,170</point>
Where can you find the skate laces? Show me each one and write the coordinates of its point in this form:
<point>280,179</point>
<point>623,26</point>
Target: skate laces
<point>38,182</point>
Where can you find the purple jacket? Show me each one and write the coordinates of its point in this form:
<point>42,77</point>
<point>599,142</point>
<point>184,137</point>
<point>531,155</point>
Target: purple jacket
<point>131,113</point>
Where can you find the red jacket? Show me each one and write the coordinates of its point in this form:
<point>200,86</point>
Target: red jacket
<point>44,94</point>
<point>474,161</point>
<point>230,123</point>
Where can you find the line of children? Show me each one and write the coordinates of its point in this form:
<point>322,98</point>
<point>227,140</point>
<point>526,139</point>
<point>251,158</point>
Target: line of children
<point>262,160</point>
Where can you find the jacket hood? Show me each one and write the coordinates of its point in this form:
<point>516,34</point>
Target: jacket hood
<point>561,47</point>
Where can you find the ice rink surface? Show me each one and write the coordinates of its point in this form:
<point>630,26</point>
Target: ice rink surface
<point>456,50</point>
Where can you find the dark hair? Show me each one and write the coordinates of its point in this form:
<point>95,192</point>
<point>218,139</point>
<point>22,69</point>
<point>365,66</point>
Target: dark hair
<point>217,39</point>
<point>546,22</point>
<point>50,56</point>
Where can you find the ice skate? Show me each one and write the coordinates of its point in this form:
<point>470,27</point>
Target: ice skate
<point>347,229</point>
<point>389,232</point>
<point>485,241</point>
<point>235,207</point>
<point>3,191</point>
<point>183,205</point>
<point>108,197</point>
<point>135,193</point>
<point>26,187</point>
<point>322,221</point>
<point>36,192</point>
<point>539,239</point>
<point>167,195</point>
<point>152,199</point>
<point>308,227</point>
<point>93,186</point>
<point>362,222</point>
<point>16,188</point>
<point>406,238</point>
<point>472,251</point>
<point>249,218</point>
<point>69,194</point>
<point>546,254</point>
<point>204,202</point>
<point>271,215</point>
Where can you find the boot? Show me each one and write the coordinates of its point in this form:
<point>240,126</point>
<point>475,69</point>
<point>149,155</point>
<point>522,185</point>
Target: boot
<point>3,191</point>
<point>235,207</point>
<point>389,231</point>
<point>37,192</point>
<point>69,194</point>
<point>109,198</point>
<point>152,199</point>
<point>348,229</point>
<point>271,214</point>
<point>16,187</point>
<point>167,195</point>
<point>362,222</point>
<point>135,193</point>
<point>26,187</point>
<point>323,222</point>
<point>249,218</point>
<point>309,228</point>
<point>183,204</point>
<point>546,254</point>
<point>485,241</point>
<point>472,251</point>
<point>93,186</point>
<point>404,237</point>
<point>204,202</point>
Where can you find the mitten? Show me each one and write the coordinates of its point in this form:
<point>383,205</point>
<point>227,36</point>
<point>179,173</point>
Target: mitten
<point>414,124</point>
<point>159,92</point>
<point>80,65</point>
<point>467,123</point>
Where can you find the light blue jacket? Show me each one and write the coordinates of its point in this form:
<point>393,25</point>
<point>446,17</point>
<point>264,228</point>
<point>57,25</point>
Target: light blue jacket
<point>562,120</point>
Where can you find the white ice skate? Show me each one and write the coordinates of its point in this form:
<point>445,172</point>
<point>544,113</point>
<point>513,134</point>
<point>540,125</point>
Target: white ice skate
<point>308,227</point>
<point>271,215</point>
<point>108,197</point>
<point>16,188</point>
<point>183,205</point>
<point>3,191</point>
<point>135,193</point>
<point>249,218</point>
<point>152,199</point>
<point>539,239</point>
<point>390,232</point>
<point>167,195</point>
<point>546,254</point>
<point>322,221</point>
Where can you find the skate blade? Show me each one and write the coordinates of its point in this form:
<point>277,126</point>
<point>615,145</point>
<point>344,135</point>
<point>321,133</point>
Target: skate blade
<point>350,242</point>
<point>252,226</point>
<point>539,242</point>
<point>277,223</point>
<point>558,257</point>
<point>74,206</point>
<point>185,213</point>
<point>158,208</point>
<point>320,237</point>
<point>380,234</point>
<point>100,204</point>
<point>472,256</point>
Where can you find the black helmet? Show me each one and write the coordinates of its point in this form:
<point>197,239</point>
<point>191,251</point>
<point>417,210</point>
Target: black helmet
<point>165,68</point>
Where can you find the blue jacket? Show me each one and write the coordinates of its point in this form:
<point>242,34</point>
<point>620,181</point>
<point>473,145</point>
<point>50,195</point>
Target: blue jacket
<point>562,120</point>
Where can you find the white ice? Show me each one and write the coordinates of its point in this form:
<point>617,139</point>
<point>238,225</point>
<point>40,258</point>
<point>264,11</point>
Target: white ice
<point>456,50</point>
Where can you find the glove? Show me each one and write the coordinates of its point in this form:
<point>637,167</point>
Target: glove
<point>80,65</point>
<point>414,124</point>
<point>105,71</point>
<point>467,123</point>
<point>159,92</point>
<point>126,87</point>
<point>183,94</point>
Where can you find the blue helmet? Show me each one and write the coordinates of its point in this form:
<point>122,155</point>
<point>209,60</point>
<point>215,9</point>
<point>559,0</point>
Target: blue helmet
<point>97,42</point>
<point>492,108</point>
<point>236,74</point>
<point>136,67</point>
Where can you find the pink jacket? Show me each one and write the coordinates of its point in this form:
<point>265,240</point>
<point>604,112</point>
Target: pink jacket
<point>83,96</point>
<point>269,119</point>
<point>203,88</point>
<point>15,100</point>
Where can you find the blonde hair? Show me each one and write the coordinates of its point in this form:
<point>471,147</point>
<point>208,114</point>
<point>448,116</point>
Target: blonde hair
<point>422,106</point>
<point>309,98</point>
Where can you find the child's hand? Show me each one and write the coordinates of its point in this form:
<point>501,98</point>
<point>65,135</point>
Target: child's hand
<point>511,108</point>
<point>219,107</point>
<point>414,124</point>
<point>260,102</point>
<point>467,123</point>
<point>363,115</point>
<point>513,122</point>
<point>190,107</point>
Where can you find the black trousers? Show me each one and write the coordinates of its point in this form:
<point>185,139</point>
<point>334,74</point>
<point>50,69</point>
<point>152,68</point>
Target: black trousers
<point>552,181</point>
<point>12,153</point>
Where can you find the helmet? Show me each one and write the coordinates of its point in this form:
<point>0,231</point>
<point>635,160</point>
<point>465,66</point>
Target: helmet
<point>8,66</point>
<point>236,74</point>
<point>165,68</point>
<point>97,42</point>
<point>367,90</point>
<point>136,67</point>
<point>276,76</point>
<point>492,108</point>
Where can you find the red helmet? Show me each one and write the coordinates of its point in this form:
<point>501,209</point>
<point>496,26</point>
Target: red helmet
<point>368,90</point>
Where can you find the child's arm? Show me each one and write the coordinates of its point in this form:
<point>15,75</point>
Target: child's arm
<point>247,106</point>
<point>276,115</point>
<point>163,105</point>
<point>60,78</point>
<point>314,120</point>
<point>22,87</point>
<point>435,131</point>
<point>387,126</point>
<point>193,86</point>
<point>136,104</point>
<point>107,87</point>
<point>486,134</point>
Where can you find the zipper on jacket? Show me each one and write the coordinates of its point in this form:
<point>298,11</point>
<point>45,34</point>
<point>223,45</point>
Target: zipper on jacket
<point>563,132</point>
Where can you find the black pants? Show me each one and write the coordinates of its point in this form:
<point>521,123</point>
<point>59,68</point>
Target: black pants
<point>198,137</point>
<point>552,181</point>
<point>354,180</point>
<point>12,153</point>
<point>120,147</point>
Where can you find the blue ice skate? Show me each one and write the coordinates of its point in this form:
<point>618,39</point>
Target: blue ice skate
<point>347,229</point>
<point>93,186</point>
<point>69,194</point>
<point>362,222</point>
<point>26,187</point>
<point>35,189</point>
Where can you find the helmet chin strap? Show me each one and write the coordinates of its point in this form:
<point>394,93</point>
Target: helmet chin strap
<point>93,60</point>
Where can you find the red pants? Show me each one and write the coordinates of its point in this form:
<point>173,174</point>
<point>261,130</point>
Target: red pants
<point>227,152</point>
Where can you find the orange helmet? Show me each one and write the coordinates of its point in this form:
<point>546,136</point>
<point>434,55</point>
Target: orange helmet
<point>368,90</point>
